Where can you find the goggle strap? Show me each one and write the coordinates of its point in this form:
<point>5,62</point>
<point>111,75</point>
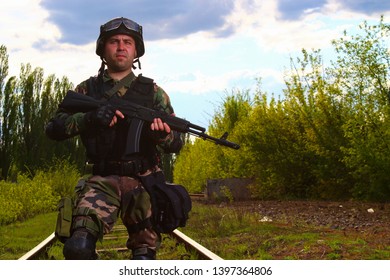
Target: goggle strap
<point>116,23</point>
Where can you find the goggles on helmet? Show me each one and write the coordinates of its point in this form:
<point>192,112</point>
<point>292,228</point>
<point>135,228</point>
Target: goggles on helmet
<point>116,23</point>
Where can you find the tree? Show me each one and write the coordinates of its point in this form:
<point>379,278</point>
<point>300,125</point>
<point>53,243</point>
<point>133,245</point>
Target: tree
<point>362,73</point>
<point>3,75</point>
<point>26,104</point>
<point>328,138</point>
<point>9,136</point>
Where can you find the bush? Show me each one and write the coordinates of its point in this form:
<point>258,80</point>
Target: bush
<point>25,199</point>
<point>62,177</point>
<point>28,197</point>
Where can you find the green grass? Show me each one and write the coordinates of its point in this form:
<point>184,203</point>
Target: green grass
<point>18,238</point>
<point>231,233</point>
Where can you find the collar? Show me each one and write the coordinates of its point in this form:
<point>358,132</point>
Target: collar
<point>107,77</point>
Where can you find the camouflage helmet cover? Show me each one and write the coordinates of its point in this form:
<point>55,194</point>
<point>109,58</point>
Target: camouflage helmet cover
<point>120,25</point>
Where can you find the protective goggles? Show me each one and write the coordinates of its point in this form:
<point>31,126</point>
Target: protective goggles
<point>116,22</point>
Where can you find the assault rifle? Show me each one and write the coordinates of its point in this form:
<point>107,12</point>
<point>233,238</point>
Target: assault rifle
<point>137,114</point>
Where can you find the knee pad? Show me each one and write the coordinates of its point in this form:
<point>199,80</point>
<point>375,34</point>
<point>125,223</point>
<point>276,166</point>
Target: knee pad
<point>81,246</point>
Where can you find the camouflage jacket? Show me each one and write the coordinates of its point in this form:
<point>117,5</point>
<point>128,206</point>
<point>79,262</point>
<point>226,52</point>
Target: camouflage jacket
<point>75,124</point>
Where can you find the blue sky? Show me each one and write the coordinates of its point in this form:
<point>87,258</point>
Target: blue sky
<point>197,50</point>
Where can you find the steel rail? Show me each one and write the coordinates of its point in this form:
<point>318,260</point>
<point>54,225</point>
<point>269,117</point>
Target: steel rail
<point>40,248</point>
<point>189,243</point>
<point>192,244</point>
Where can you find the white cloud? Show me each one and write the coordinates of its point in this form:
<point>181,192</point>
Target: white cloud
<point>263,23</point>
<point>77,63</point>
<point>195,64</point>
<point>199,83</point>
<point>261,47</point>
<point>24,22</point>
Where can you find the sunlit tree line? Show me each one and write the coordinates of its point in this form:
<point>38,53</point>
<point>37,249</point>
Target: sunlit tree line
<point>26,104</point>
<point>327,138</point>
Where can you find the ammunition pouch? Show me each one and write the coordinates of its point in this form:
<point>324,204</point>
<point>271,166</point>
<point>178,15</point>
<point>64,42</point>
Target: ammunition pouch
<point>65,224</point>
<point>64,218</point>
<point>171,203</point>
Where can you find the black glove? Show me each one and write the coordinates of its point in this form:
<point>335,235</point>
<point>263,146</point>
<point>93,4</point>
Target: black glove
<point>157,135</point>
<point>55,129</point>
<point>101,116</point>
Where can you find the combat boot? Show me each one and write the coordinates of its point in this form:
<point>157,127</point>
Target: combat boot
<point>143,253</point>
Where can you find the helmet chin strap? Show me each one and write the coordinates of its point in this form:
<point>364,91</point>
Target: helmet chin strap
<point>137,61</point>
<point>101,69</point>
<point>103,65</point>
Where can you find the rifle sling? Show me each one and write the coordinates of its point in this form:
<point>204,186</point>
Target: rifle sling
<point>109,93</point>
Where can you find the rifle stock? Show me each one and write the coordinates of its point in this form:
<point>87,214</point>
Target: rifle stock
<point>76,102</point>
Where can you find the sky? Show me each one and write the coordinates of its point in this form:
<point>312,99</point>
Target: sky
<point>198,51</point>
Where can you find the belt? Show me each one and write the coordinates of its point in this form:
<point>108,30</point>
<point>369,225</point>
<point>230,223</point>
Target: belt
<point>128,168</point>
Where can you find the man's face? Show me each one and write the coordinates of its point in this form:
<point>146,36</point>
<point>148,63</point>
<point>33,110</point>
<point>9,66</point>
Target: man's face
<point>119,52</point>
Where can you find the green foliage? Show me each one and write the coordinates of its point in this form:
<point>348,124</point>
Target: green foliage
<point>28,197</point>
<point>25,198</point>
<point>188,170</point>
<point>227,194</point>
<point>62,176</point>
<point>18,238</point>
<point>328,138</point>
<point>364,82</point>
<point>35,195</point>
<point>201,160</point>
<point>27,103</point>
<point>238,233</point>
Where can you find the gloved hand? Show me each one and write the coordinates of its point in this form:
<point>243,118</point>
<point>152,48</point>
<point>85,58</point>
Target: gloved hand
<point>158,135</point>
<point>159,129</point>
<point>101,116</point>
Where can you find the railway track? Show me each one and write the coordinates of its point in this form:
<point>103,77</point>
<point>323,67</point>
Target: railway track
<point>110,248</point>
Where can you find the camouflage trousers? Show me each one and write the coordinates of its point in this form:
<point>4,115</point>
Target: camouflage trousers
<point>101,200</point>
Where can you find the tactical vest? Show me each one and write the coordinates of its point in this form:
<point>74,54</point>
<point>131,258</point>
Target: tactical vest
<point>104,145</point>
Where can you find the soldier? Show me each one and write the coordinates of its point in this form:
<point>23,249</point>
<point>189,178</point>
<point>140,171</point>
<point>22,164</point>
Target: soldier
<point>114,186</point>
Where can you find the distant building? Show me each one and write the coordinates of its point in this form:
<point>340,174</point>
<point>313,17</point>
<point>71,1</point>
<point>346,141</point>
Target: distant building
<point>230,189</point>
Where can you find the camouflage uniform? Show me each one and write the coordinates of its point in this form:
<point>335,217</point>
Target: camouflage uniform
<point>101,200</point>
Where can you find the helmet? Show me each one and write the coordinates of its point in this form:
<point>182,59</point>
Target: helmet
<point>121,25</point>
